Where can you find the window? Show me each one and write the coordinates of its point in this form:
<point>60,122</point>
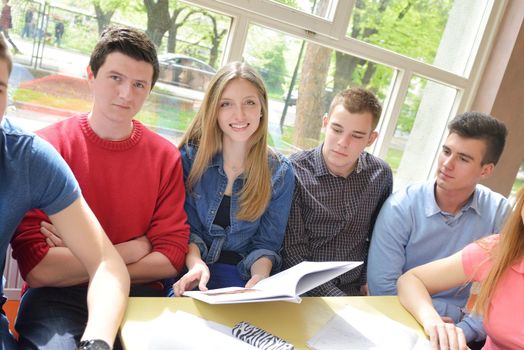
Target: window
<point>421,58</point>
<point>438,32</point>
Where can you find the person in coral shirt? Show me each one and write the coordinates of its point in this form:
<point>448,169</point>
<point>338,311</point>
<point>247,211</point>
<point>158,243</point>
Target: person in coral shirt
<point>497,261</point>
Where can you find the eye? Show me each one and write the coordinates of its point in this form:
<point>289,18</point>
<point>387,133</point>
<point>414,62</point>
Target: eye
<point>336,130</point>
<point>225,104</point>
<point>115,77</point>
<point>140,85</point>
<point>251,102</point>
<point>357,136</point>
<point>464,159</point>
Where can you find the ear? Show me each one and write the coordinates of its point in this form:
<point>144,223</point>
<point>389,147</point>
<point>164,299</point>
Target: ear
<point>487,170</point>
<point>325,120</point>
<point>372,138</point>
<point>90,74</point>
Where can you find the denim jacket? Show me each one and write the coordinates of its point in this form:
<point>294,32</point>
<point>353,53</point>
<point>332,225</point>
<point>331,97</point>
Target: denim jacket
<point>250,239</point>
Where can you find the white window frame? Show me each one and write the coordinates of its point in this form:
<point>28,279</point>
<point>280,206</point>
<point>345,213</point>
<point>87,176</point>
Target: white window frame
<point>332,34</point>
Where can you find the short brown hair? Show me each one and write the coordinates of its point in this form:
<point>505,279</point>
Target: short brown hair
<point>128,41</point>
<point>358,100</point>
<point>5,54</point>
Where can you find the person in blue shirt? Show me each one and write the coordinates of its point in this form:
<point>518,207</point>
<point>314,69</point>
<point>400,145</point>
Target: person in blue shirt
<point>33,175</point>
<point>430,221</point>
<point>238,191</point>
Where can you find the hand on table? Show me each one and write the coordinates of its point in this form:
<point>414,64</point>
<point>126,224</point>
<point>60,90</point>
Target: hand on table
<point>197,275</point>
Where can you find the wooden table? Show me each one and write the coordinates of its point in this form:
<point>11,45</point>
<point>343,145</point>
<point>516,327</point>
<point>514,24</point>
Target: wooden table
<point>296,323</point>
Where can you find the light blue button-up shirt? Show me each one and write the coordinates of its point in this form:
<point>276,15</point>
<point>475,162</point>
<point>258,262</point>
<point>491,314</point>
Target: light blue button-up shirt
<point>250,239</point>
<point>411,230</point>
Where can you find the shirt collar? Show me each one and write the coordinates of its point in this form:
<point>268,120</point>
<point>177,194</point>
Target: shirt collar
<point>321,169</point>
<point>432,208</point>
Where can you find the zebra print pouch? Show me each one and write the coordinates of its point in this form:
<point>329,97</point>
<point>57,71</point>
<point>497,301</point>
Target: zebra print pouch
<point>259,338</point>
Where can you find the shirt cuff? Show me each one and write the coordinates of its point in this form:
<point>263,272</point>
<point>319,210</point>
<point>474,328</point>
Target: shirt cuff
<point>244,266</point>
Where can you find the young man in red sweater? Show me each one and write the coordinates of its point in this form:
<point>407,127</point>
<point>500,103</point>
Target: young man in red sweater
<point>131,178</point>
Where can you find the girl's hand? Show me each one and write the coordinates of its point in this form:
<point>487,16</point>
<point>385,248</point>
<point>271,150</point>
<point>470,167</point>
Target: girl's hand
<point>254,280</point>
<point>444,336</point>
<point>197,275</point>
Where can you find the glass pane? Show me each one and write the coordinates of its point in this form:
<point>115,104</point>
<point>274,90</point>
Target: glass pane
<point>48,80</point>
<point>298,101</point>
<point>438,32</point>
<point>320,8</point>
<point>420,126</point>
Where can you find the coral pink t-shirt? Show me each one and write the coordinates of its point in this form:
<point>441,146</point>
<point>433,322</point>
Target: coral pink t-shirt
<point>505,322</point>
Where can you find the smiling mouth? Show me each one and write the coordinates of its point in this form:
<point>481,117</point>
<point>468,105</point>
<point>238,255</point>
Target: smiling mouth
<point>239,126</point>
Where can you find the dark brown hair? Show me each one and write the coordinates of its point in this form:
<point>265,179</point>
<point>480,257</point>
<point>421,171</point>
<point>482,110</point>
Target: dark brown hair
<point>128,41</point>
<point>481,126</point>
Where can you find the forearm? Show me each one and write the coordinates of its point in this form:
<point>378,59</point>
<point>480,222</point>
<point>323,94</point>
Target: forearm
<point>416,299</point>
<point>262,267</point>
<point>193,256</point>
<point>59,268</point>
<point>153,267</point>
<point>108,290</point>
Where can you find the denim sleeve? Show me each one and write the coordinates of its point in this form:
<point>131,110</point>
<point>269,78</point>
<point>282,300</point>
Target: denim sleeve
<point>267,241</point>
<point>473,327</point>
<point>195,225</point>
<point>387,254</point>
<point>195,239</point>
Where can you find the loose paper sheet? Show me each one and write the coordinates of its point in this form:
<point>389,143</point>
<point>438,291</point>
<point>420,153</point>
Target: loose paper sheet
<point>352,328</point>
<point>182,330</point>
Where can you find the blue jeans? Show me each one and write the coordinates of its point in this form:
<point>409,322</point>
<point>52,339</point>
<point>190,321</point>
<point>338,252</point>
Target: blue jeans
<point>7,342</point>
<point>55,318</point>
<point>221,276</point>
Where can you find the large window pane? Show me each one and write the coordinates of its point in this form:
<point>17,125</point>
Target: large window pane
<point>439,32</point>
<point>419,130</point>
<point>298,101</point>
<point>48,81</point>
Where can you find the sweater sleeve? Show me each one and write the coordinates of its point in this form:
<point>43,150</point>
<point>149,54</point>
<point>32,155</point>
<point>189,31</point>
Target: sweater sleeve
<point>29,245</point>
<point>169,231</point>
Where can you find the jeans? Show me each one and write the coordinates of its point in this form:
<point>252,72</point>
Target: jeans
<point>55,318</point>
<point>7,342</point>
<point>220,276</point>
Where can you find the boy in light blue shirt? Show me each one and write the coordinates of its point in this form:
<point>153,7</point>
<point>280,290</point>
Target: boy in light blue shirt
<point>426,222</point>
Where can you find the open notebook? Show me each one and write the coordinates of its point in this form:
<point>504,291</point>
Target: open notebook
<point>287,285</point>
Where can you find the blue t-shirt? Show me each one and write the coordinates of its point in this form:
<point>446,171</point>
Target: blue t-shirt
<point>32,176</point>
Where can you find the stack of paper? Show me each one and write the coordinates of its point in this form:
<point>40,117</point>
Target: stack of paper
<point>190,332</point>
<point>355,329</point>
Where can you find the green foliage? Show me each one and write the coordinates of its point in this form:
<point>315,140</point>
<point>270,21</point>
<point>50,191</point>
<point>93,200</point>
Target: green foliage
<point>410,27</point>
<point>265,51</point>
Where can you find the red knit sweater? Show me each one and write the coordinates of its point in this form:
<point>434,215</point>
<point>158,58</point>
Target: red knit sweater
<point>134,187</point>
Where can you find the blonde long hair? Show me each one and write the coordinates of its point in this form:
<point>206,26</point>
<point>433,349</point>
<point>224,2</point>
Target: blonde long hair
<point>205,133</point>
<point>509,250</point>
